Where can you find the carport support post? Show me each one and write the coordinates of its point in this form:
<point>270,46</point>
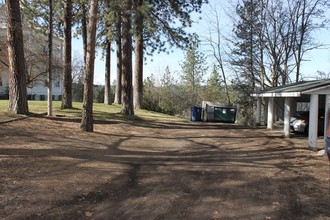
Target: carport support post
<point>287,104</point>
<point>258,122</point>
<point>270,113</point>
<point>313,121</point>
<point>326,117</point>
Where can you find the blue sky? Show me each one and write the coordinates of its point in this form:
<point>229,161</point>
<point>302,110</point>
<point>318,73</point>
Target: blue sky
<point>318,59</point>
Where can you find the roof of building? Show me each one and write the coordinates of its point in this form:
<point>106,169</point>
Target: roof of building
<point>297,89</point>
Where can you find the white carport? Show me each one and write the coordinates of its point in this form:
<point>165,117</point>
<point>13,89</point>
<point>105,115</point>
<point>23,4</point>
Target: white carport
<point>313,89</point>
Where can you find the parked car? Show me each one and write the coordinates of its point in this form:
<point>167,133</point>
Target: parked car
<point>299,122</point>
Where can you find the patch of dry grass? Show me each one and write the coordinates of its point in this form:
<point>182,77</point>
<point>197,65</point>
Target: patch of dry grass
<point>101,112</point>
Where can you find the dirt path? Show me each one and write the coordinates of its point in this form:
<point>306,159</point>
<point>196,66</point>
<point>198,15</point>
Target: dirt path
<point>49,169</point>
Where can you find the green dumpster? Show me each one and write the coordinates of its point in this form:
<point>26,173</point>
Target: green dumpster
<point>225,114</point>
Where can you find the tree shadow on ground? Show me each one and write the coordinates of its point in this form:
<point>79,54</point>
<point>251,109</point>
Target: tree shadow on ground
<point>185,172</point>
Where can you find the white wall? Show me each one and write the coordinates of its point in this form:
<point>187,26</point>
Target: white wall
<point>34,46</point>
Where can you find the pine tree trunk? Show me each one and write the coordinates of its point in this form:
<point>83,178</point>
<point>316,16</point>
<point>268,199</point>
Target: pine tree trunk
<point>107,97</point>
<point>17,72</point>
<point>87,113</point>
<point>127,90</point>
<point>118,93</point>
<point>138,73</point>
<point>67,66</point>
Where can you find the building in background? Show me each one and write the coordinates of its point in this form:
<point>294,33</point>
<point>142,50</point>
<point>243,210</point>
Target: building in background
<point>36,59</point>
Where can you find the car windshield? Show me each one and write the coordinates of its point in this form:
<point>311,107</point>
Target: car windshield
<point>305,115</point>
<point>302,115</point>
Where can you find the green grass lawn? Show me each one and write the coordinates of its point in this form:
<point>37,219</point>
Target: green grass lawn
<point>100,111</point>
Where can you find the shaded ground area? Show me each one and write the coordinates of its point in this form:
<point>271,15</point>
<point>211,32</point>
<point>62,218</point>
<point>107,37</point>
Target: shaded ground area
<point>49,169</point>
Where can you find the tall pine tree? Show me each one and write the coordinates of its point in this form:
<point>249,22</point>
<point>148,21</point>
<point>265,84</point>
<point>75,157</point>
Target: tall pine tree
<point>67,63</point>
<point>87,113</point>
<point>127,85</point>
<point>17,72</point>
<point>193,70</point>
<point>246,50</point>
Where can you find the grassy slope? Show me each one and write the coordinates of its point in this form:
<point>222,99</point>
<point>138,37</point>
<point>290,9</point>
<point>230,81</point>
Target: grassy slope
<point>101,111</point>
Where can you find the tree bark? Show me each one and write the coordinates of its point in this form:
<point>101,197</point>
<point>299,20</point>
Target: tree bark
<point>107,84</point>
<point>127,92</point>
<point>87,113</point>
<point>138,73</point>
<point>118,93</point>
<point>17,72</point>
<point>67,65</point>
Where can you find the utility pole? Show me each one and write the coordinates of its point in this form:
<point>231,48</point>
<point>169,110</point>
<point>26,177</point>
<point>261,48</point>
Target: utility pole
<point>50,59</point>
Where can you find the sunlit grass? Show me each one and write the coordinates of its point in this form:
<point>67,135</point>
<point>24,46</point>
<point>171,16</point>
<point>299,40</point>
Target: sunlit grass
<point>100,112</point>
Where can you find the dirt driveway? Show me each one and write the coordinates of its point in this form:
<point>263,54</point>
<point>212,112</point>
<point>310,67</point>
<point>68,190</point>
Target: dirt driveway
<point>49,169</point>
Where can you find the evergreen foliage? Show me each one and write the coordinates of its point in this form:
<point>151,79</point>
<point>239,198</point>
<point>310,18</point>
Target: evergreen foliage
<point>246,46</point>
<point>213,90</point>
<point>168,88</point>
<point>36,13</point>
<point>151,94</point>
<point>192,75</point>
<point>165,23</point>
<point>174,97</point>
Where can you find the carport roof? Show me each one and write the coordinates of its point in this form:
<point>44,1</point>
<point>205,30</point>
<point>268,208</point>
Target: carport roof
<point>297,89</point>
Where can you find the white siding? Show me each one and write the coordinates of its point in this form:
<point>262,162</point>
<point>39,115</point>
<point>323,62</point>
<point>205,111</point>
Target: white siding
<point>35,46</point>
